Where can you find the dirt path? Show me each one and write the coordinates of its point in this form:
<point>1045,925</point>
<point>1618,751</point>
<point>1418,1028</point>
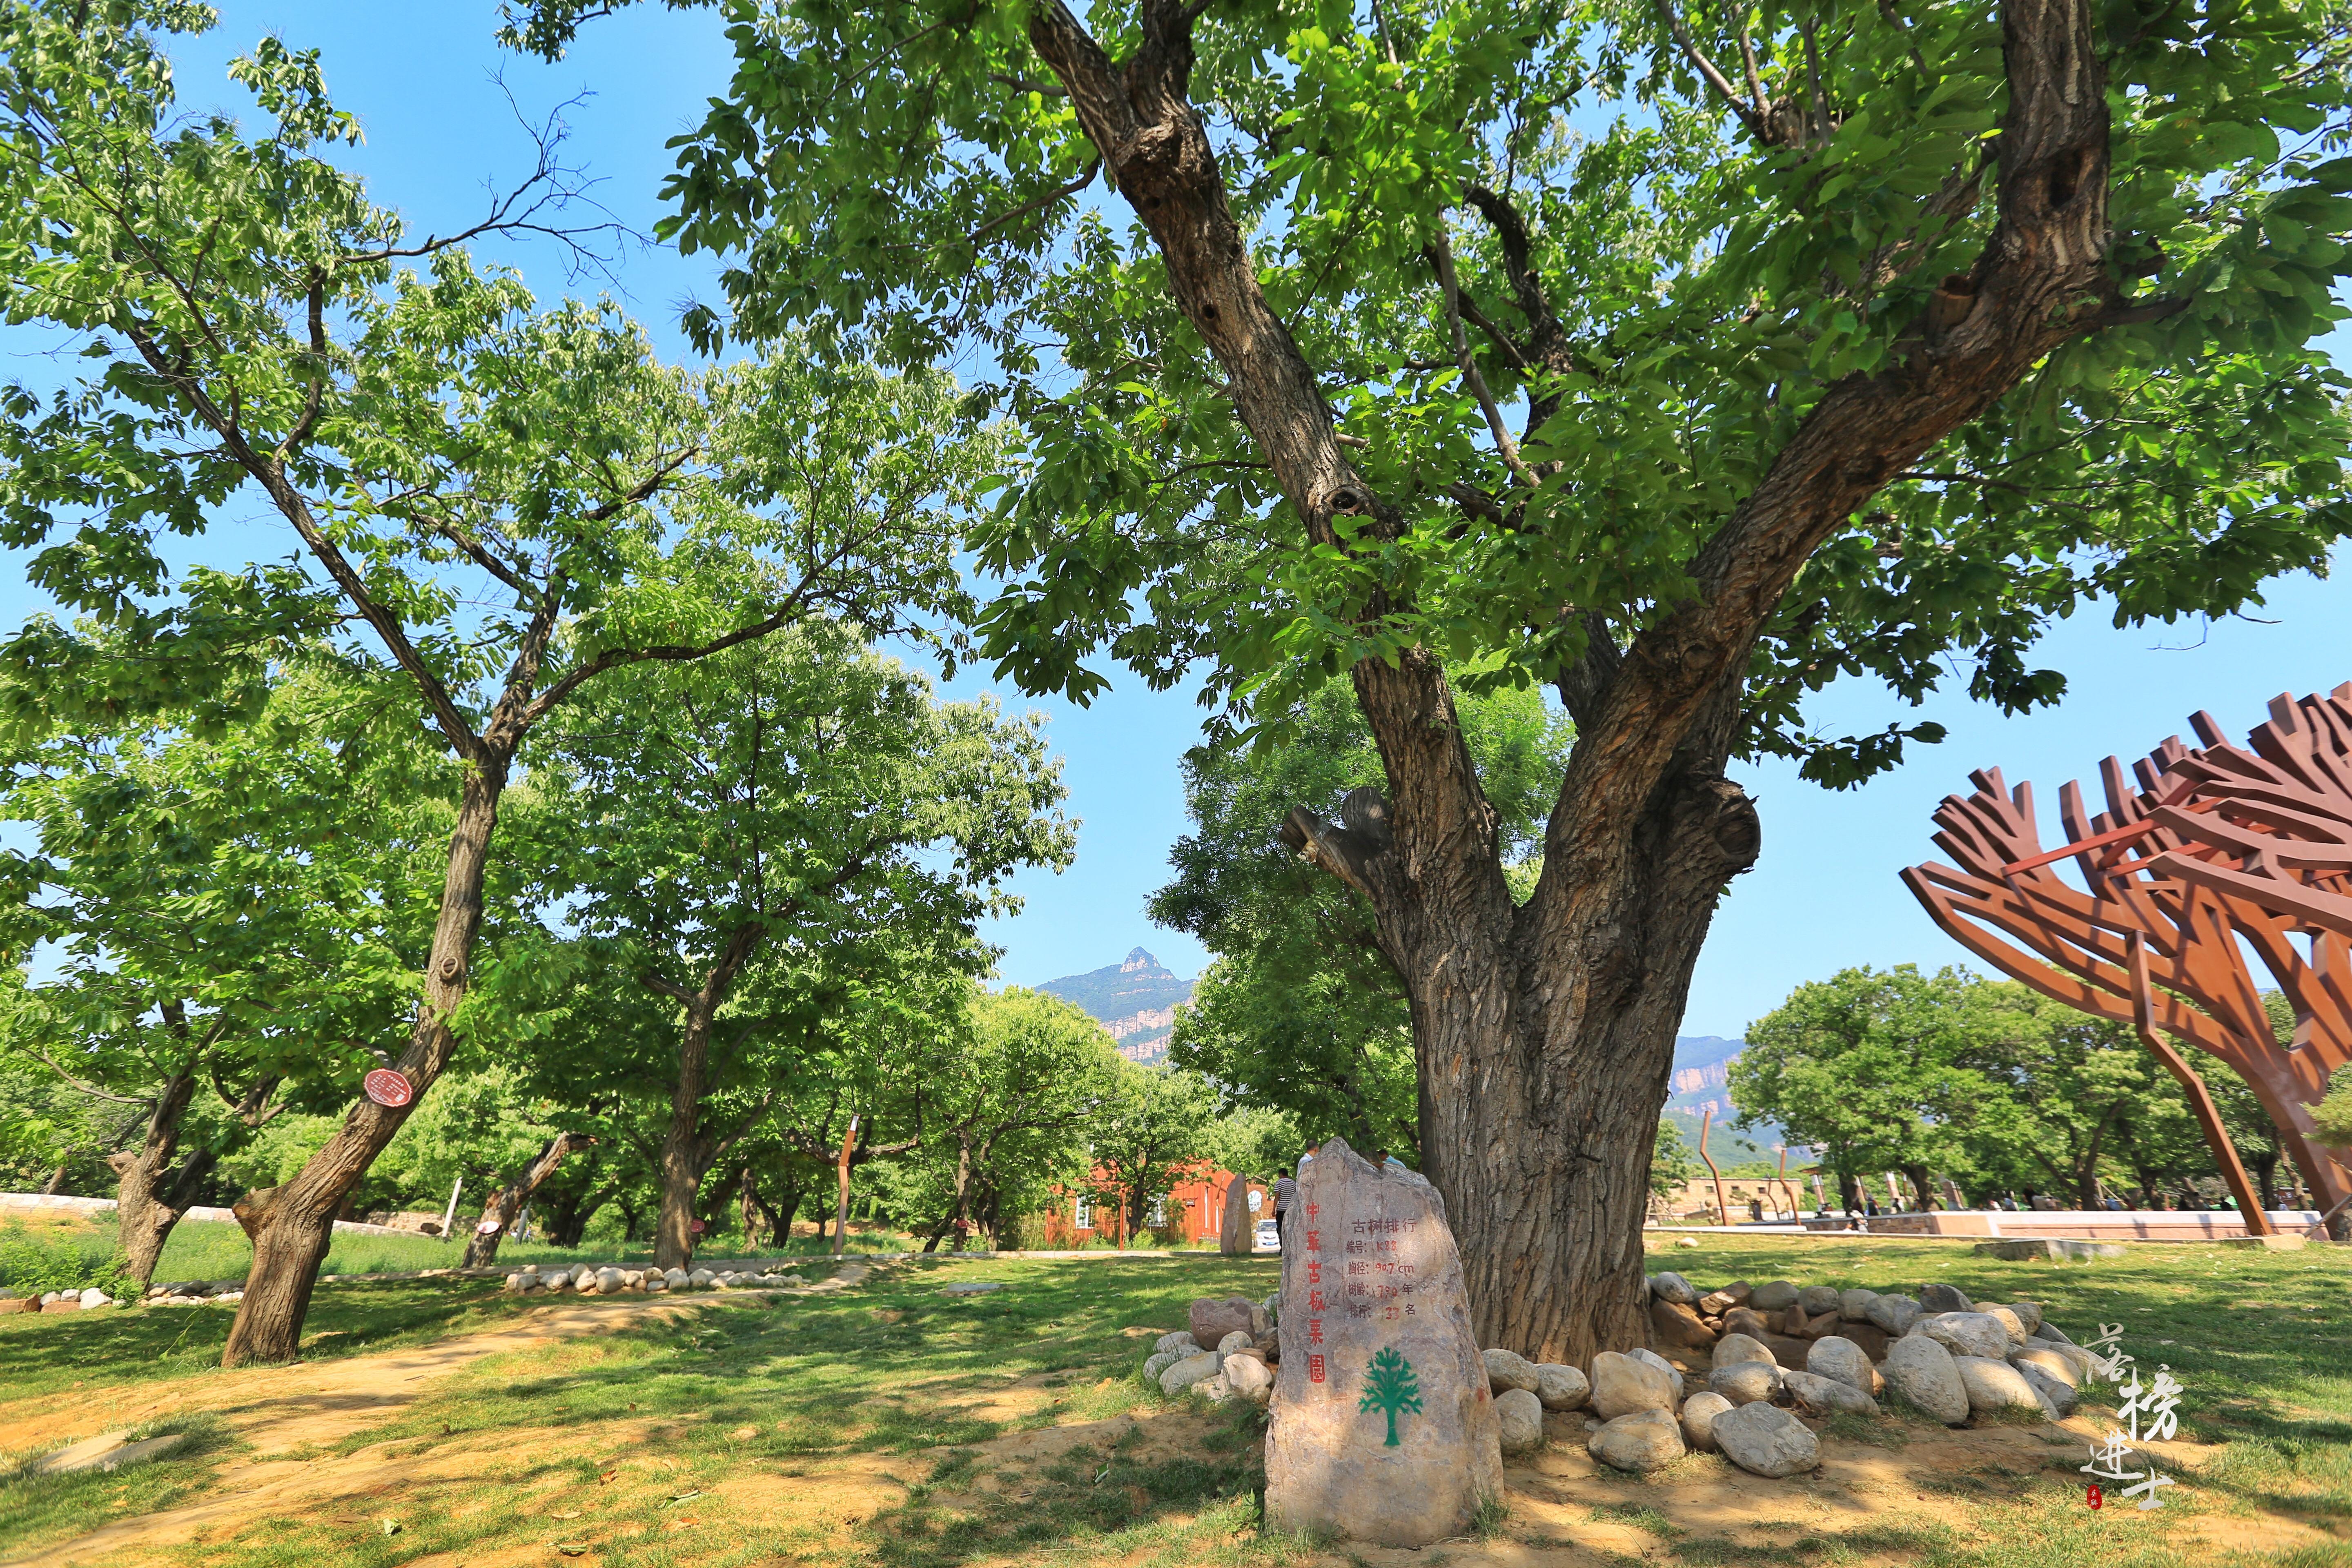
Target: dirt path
<point>280,1410</point>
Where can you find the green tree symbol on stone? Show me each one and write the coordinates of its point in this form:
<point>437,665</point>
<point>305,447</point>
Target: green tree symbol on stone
<point>1391,1386</point>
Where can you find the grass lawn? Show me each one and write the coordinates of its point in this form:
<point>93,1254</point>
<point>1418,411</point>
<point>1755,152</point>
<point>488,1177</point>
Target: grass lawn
<point>890,1424</point>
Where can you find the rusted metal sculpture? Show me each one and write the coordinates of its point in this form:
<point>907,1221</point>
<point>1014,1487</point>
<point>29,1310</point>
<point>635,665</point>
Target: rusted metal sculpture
<point>1722,1209</point>
<point>2217,851</point>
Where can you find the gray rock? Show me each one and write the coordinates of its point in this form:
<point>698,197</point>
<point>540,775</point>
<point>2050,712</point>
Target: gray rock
<point>1622,1384</point>
<point>1921,1371</point>
<point>1644,1441</point>
<point>1250,1378</point>
<point>1215,1389</point>
<point>82,1455</point>
<point>1508,1370</point>
<point>608,1282</point>
<point>94,1296</point>
<point>2049,1330</point>
<point>1835,1356</point>
<point>2074,1356</point>
<point>1746,1381</point>
<point>701,1279</point>
<point>1942,1298</point>
<point>2059,1397</point>
<point>1818,1301</point>
<point>2011,1324</point>
<point>1967,1334</point>
<point>1853,1306</point>
<point>1181,1339</point>
<point>675,1279</point>
<point>1674,1373</point>
<point>1672,1287</point>
<point>1994,1384</point>
<point>1765,1440</point>
<point>1521,1415</point>
<point>1562,1387</point>
<point>515,1282</point>
<point>2029,1313</point>
<point>1239,1339</point>
<point>1893,1315</point>
<point>655,1285</point>
<point>1192,1369</point>
<point>2057,1248</point>
<point>1773,1295</point>
<point>1700,1412</point>
<point>1213,1319</point>
<point>1158,1361</point>
<point>1825,1394</point>
<point>1330,1471</point>
<point>1741,1347</point>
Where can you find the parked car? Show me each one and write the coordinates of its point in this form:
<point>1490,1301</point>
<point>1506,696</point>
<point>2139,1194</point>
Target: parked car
<point>1268,1237</point>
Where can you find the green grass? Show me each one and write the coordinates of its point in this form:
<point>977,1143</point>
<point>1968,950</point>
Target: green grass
<point>34,1508</point>
<point>891,1425</point>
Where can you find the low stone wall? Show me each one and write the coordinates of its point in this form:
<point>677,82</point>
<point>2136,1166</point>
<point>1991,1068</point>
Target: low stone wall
<point>2093,1225</point>
<point>201,1212</point>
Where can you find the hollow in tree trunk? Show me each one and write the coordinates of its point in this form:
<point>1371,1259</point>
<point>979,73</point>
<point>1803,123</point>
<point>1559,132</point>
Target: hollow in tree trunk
<point>292,1225</point>
<point>498,1214</point>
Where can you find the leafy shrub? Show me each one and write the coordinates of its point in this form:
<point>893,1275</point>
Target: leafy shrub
<point>30,1265</point>
<point>2332,1116</point>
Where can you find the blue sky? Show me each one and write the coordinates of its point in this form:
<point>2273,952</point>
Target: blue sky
<point>1824,895</point>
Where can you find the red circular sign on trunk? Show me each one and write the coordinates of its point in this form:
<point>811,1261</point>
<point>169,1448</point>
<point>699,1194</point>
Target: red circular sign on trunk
<point>386,1087</point>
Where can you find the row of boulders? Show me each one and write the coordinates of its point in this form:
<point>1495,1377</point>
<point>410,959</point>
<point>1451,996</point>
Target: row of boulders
<point>592,1279</point>
<point>1240,1364</point>
<point>55,1300</point>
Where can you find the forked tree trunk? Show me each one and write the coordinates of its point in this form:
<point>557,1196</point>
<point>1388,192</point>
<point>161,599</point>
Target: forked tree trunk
<point>293,1225</point>
<point>1545,1033</point>
<point>141,1208</point>
<point>688,1152</point>
<point>498,1214</point>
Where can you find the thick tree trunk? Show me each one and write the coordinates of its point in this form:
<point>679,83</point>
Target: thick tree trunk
<point>140,1209</point>
<point>291,1226</point>
<point>498,1214</point>
<point>686,1154</point>
<point>1545,1033</point>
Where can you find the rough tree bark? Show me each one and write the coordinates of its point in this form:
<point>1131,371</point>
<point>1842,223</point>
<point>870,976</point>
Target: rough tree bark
<point>151,1193</point>
<point>498,1214</point>
<point>1545,1033</point>
<point>292,1225</point>
<point>687,1151</point>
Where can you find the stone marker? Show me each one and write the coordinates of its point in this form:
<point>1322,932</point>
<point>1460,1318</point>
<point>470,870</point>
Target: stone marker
<point>1766,1440</point>
<point>1238,1237</point>
<point>1645,1440</point>
<point>1384,1427</point>
<point>1921,1371</point>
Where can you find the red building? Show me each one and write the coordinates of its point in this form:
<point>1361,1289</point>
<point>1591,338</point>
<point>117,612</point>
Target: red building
<point>1194,1210</point>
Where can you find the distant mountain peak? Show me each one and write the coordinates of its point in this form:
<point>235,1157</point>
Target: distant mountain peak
<point>1135,1000</point>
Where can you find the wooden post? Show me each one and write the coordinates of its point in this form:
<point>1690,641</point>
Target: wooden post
<point>1722,1208</point>
<point>1786,1191</point>
<point>841,1203</point>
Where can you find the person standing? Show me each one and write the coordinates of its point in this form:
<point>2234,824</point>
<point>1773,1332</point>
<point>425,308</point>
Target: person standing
<point>1286,1193</point>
